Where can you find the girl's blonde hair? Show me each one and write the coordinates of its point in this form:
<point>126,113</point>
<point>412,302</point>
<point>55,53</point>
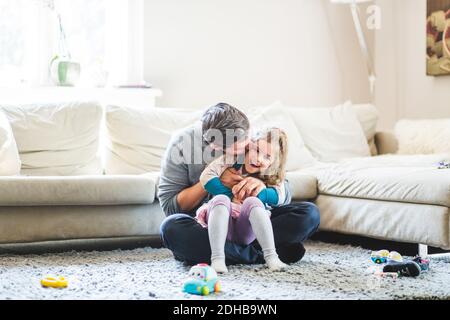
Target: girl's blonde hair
<point>278,140</point>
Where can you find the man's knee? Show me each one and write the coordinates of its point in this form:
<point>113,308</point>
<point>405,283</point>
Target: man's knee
<point>313,215</point>
<point>306,217</point>
<point>168,228</point>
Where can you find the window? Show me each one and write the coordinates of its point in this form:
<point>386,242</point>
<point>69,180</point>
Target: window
<point>94,31</point>
<point>12,41</point>
<point>84,24</point>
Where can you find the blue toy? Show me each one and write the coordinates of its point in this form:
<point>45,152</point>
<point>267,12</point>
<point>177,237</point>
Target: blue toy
<point>203,280</point>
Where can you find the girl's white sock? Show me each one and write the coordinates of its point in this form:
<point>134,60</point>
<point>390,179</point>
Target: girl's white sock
<point>262,227</point>
<point>217,230</point>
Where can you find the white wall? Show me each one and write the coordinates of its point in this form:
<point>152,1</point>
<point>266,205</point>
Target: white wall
<point>251,52</point>
<point>404,90</point>
<point>386,91</point>
<point>351,62</point>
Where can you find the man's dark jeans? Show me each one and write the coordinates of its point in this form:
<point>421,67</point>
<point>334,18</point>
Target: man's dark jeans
<point>292,224</point>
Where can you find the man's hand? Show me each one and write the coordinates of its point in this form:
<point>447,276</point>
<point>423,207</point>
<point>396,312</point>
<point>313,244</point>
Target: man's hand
<point>230,178</point>
<point>248,187</point>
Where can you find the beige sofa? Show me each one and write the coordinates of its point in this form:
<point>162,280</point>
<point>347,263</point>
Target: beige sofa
<point>401,198</point>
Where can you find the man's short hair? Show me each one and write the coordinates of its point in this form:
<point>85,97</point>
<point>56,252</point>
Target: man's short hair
<point>224,118</point>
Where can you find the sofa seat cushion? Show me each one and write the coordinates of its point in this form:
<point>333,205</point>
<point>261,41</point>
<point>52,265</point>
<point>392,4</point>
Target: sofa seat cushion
<point>80,190</point>
<point>411,179</point>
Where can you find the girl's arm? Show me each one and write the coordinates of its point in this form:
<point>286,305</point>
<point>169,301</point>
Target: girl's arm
<point>273,195</point>
<point>210,178</point>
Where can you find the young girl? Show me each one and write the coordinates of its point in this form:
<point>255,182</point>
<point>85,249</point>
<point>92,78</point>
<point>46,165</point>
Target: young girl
<point>229,217</point>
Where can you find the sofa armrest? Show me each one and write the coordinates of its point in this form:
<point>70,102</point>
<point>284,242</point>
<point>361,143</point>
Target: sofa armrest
<point>386,142</point>
<point>303,186</point>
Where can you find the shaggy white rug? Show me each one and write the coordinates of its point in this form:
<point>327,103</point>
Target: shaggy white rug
<point>326,272</point>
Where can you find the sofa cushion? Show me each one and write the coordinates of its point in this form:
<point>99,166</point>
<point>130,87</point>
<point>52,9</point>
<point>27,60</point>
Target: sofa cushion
<point>411,179</point>
<point>138,138</point>
<point>9,155</point>
<point>331,134</point>
<point>43,224</point>
<point>423,136</point>
<point>81,190</point>
<point>367,115</point>
<point>57,138</point>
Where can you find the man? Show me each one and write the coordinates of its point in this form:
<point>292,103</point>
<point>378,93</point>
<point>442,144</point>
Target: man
<point>180,193</point>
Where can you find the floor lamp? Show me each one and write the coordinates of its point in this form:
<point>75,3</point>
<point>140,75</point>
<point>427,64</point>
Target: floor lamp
<point>362,39</point>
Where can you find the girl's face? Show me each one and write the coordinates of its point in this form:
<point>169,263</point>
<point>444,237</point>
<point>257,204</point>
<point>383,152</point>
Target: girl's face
<point>259,157</point>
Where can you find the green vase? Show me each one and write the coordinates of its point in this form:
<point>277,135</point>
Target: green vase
<point>65,72</point>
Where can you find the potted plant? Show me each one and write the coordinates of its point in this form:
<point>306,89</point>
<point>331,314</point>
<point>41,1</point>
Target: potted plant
<point>64,71</point>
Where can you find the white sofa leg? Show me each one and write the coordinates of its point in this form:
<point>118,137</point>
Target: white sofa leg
<point>423,252</point>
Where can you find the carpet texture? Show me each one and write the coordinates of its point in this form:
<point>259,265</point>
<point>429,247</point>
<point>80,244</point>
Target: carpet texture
<point>326,272</point>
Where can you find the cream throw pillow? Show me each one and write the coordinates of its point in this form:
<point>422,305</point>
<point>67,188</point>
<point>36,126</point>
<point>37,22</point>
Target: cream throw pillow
<point>368,115</point>
<point>138,138</point>
<point>331,134</point>
<point>57,138</point>
<point>423,136</point>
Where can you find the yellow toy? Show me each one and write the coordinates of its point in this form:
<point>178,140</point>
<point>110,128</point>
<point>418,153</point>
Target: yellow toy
<point>54,282</point>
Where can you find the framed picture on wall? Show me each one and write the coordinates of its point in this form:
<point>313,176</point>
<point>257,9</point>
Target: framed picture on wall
<point>438,37</point>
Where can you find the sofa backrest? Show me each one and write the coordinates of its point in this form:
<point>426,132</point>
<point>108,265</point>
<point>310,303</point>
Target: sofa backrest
<point>137,138</point>
<point>69,138</point>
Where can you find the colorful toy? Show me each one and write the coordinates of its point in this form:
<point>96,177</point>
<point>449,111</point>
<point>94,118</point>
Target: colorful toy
<point>203,280</point>
<point>54,282</point>
<point>379,257</point>
<point>392,264</point>
<point>384,256</point>
<point>395,256</point>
